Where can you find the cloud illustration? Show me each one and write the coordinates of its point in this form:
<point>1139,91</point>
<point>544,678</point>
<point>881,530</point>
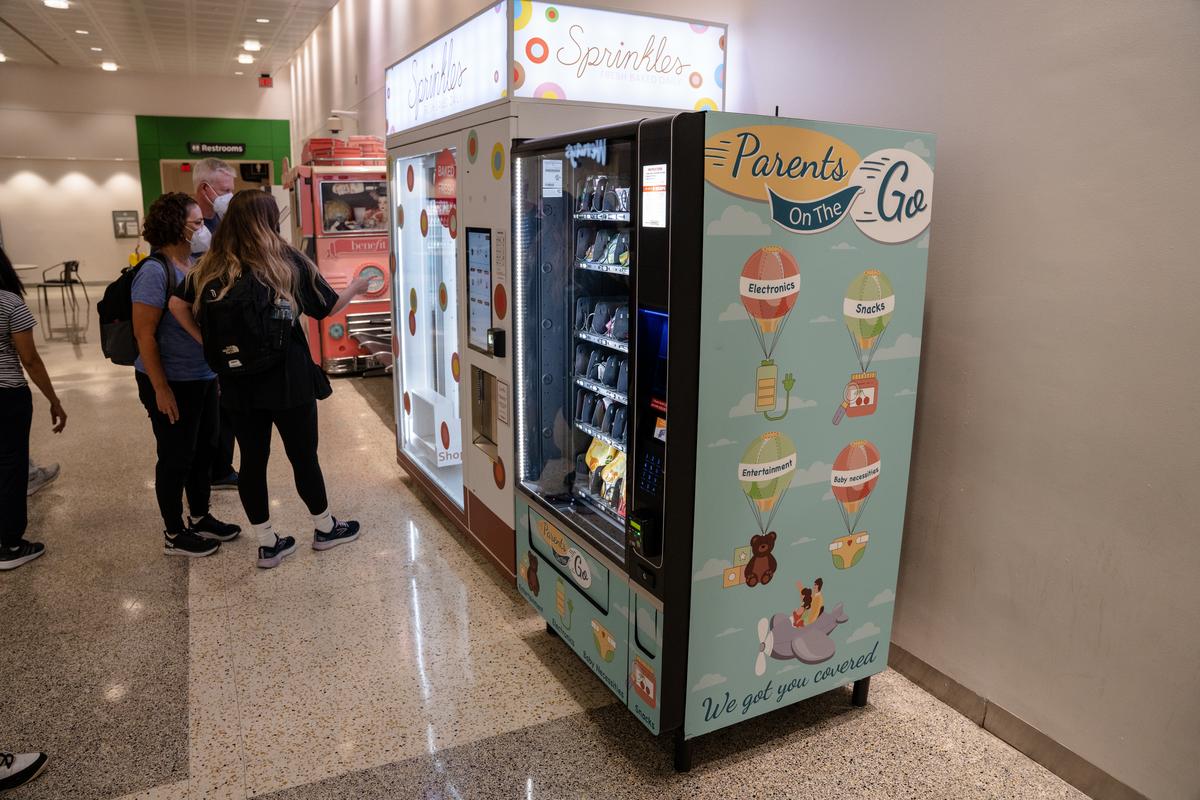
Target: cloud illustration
<point>923,242</point>
<point>622,610</point>
<point>901,393</point>
<point>828,495</point>
<point>803,540</point>
<point>817,473</point>
<point>745,408</point>
<point>710,680</point>
<point>728,632</point>
<point>843,246</point>
<point>886,596</point>
<point>737,221</point>
<point>906,346</point>
<point>722,442</point>
<point>821,319</point>
<point>919,147</point>
<point>865,632</point>
<point>713,568</point>
<point>733,312</point>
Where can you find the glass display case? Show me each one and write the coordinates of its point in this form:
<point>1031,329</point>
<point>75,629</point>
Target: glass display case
<point>574,251</point>
<point>353,206</point>
<point>430,430</point>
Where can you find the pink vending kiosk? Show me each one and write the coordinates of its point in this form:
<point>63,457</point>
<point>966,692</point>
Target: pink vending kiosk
<point>339,212</point>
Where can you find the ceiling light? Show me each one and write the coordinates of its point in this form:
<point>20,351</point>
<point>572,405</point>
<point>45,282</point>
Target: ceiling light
<point>262,20</point>
<point>253,45</point>
<point>109,66</point>
<point>56,3</point>
<point>82,33</point>
<point>239,73</point>
<point>3,58</point>
<point>97,49</point>
<point>245,58</point>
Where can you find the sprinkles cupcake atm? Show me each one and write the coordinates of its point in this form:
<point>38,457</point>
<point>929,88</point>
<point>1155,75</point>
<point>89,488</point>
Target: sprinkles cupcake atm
<point>513,71</point>
<point>714,527</point>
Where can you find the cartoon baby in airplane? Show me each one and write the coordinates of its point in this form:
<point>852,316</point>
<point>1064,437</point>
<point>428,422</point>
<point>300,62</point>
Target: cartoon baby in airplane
<point>803,634</point>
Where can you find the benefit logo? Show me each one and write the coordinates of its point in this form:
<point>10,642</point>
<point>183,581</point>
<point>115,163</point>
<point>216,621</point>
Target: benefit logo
<point>654,58</point>
<point>813,181</point>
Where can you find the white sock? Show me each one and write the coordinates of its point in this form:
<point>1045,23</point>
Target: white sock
<point>323,522</point>
<point>266,534</point>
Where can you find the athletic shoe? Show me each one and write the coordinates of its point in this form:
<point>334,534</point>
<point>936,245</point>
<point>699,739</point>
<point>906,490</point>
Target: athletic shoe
<point>230,481</point>
<point>188,544</point>
<point>39,477</point>
<point>342,533</point>
<point>18,769</point>
<point>269,557</point>
<point>23,553</point>
<point>209,527</point>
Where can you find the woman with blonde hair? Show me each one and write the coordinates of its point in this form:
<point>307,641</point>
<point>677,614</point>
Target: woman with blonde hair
<point>243,301</point>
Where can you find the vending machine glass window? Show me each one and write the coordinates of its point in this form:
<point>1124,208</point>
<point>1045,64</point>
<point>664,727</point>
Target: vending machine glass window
<point>353,206</point>
<point>426,307</point>
<point>574,257</point>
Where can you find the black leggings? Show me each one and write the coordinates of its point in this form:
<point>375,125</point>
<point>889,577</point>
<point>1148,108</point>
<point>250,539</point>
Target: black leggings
<point>16,413</point>
<point>298,429</point>
<point>185,448</point>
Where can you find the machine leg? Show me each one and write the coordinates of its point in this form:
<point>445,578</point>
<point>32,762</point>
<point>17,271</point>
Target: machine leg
<point>550,630</point>
<point>861,687</point>
<point>683,752</point>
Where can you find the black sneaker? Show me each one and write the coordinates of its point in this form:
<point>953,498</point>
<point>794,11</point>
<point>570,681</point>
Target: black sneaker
<point>230,481</point>
<point>269,557</point>
<point>188,544</point>
<point>18,769</point>
<point>23,553</point>
<point>209,527</point>
<point>342,533</point>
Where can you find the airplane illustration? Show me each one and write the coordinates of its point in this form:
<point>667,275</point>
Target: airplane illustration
<point>811,644</point>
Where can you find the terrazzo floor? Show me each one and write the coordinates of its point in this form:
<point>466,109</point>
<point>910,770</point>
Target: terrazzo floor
<point>401,666</point>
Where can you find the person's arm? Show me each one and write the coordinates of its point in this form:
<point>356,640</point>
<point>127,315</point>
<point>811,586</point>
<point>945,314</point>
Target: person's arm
<point>32,362</point>
<point>356,287</point>
<point>182,310</point>
<point>145,328</point>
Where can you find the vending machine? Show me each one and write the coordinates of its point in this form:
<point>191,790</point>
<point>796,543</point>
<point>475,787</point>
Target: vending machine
<point>717,337</point>
<point>339,200</point>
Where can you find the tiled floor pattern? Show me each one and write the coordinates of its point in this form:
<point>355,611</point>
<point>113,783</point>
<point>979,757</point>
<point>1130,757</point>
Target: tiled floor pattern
<point>400,666</point>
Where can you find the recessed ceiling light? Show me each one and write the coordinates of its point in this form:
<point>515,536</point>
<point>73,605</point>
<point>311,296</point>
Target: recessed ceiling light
<point>97,49</point>
<point>262,20</point>
<point>108,66</point>
<point>239,73</point>
<point>253,45</point>
<point>3,58</point>
<point>245,58</point>
<point>56,3</point>
<point>82,33</point>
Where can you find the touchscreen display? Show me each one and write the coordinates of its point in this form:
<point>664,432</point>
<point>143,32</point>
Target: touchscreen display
<point>479,287</point>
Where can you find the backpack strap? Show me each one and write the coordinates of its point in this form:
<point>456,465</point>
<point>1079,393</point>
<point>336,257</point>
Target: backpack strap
<point>168,274</point>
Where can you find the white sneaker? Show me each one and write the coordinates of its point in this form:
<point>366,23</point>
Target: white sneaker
<point>18,769</point>
<point>39,477</point>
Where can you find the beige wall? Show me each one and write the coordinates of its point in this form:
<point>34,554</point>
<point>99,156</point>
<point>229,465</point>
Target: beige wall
<point>69,156</point>
<point>1051,554</point>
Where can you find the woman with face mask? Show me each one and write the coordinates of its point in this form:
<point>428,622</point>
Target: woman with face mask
<point>175,385</point>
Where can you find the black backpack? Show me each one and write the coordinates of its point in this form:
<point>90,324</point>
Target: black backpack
<point>245,332</point>
<point>115,310</point>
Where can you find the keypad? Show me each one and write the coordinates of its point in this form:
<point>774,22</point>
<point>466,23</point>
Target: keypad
<point>651,472</point>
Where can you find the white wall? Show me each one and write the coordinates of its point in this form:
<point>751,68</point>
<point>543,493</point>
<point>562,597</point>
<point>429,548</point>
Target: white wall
<point>1051,552</point>
<point>69,157</point>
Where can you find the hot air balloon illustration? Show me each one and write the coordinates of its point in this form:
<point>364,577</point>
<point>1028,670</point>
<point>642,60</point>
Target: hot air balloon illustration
<point>867,309</point>
<point>765,473</point>
<point>853,478</point>
<point>769,287</point>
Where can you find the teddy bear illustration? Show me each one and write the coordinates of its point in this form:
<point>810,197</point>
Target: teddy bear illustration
<point>762,565</point>
<point>532,580</point>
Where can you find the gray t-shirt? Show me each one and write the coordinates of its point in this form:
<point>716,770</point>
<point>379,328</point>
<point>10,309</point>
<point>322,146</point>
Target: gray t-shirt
<point>182,356</point>
<point>14,318</point>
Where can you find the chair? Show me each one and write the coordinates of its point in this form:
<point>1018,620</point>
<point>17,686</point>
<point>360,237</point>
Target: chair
<point>65,281</point>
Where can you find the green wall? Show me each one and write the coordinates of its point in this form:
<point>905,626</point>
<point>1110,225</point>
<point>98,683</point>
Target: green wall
<point>167,137</point>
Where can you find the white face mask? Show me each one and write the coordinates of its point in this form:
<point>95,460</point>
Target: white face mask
<point>220,204</point>
<point>201,240</point>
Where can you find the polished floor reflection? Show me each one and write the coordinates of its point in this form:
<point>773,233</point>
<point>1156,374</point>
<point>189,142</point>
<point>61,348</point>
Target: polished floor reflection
<point>401,666</point>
